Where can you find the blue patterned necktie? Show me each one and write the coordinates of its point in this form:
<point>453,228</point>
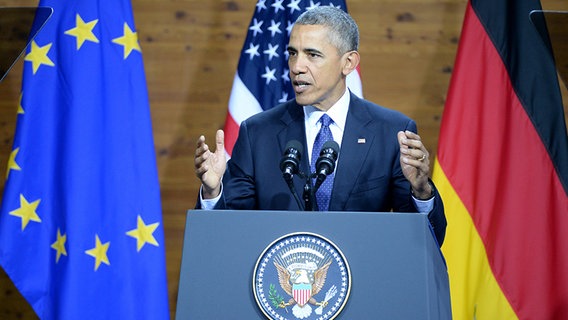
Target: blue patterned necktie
<point>324,192</point>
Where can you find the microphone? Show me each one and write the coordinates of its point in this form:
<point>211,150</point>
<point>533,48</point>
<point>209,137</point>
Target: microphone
<point>290,164</point>
<point>325,164</point>
<point>290,161</point>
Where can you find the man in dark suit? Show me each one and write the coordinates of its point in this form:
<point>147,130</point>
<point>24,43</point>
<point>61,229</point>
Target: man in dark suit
<point>382,164</point>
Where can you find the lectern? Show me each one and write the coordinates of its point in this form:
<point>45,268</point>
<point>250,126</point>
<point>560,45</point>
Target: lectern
<point>393,266</point>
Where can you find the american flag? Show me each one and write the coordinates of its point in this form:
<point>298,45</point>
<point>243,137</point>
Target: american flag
<point>262,79</point>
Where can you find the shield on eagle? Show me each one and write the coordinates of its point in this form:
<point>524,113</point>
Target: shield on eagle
<point>302,293</point>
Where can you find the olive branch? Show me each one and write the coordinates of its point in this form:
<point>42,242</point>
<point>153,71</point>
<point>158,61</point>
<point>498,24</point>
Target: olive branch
<point>274,297</point>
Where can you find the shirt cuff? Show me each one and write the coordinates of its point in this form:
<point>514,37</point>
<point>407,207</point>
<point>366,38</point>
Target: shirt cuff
<point>424,206</point>
<point>209,204</point>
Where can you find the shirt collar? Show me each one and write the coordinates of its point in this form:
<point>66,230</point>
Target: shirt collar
<point>337,112</point>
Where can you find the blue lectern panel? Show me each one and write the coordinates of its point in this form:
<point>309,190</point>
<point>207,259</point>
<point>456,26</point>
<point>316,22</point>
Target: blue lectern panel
<point>397,270</point>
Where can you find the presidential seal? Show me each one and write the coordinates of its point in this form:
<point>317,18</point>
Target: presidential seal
<point>301,276</point>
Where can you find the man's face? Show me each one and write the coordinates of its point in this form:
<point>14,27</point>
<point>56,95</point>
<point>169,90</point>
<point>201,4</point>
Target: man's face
<point>317,71</point>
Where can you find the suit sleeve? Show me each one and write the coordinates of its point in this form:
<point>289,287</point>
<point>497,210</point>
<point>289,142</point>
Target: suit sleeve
<point>239,188</point>
<point>437,217</point>
<point>403,201</point>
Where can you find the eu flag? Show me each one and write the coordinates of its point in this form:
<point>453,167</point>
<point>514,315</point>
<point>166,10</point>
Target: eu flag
<point>81,233</point>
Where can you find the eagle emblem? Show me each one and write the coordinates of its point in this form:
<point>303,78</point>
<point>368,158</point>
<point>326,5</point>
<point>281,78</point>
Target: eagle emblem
<point>302,288</point>
<point>299,272</point>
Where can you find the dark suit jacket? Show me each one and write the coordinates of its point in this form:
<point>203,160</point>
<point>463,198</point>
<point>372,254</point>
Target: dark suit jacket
<point>368,176</point>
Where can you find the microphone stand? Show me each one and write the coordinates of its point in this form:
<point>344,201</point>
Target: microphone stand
<point>310,203</point>
<point>293,191</point>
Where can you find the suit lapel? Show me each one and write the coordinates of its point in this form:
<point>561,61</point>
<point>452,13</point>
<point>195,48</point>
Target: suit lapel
<point>355,146</point>
<point>294,129</point>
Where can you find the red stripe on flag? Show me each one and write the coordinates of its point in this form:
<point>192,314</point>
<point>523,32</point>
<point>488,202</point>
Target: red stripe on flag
<point>496,162</point>
<point>231,133</point>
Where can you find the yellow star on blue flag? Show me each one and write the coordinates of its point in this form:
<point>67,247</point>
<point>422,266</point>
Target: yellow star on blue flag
<point>38,56</point>
<point>83,31</point>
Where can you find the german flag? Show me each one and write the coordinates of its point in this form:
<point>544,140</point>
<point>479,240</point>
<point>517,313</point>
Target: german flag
<point>502,169</point>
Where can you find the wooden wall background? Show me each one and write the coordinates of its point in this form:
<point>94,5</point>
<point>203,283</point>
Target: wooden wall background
<point>191,50</point>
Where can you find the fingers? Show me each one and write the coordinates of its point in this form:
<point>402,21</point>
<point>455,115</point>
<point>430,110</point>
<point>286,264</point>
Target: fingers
<point>412,149</point>
<point>420,155</point>
<point>409,139</point>
<point>201,149</point>
<point>220,141</point>
<point>210,167</point>
<point>201,146</point>
<point>203,153</point>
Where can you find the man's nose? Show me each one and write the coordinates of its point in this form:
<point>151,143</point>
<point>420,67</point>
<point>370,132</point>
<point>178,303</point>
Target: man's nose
<point>297,65</point>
